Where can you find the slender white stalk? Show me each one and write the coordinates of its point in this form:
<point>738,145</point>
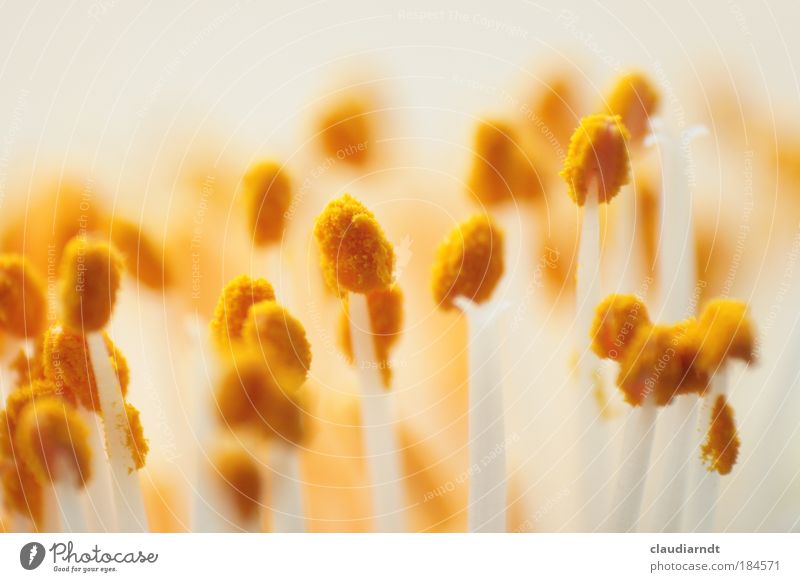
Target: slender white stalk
<point>638,446</point>
<point>51,516</point>
<point>70,503</point>
<point>677,423</point>
<point>704,484</point>
<point>205,499</point>
<point>101,513</point>
<point>676,264</point>
<point>589,286</point>
<point>677,280</point>
<point>487,438</point>
<point>589,293</point>
<point>127,490</point>
<point>377,421</point>
<point>287,494</point>
<point>267,263</point>
<point>160,313</point>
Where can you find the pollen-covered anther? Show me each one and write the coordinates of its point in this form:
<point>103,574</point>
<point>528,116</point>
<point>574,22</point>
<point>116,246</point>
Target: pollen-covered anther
<point>616,320</point>
<point>725,330</point>
<point>23,305</point>
<point>90,274</point>
<point>634,98</point>
<point>355,253</point>
<point>347,130</point>
<point>721,448</point>
<point>651,367</point>
<point>469,263</point>
<point>251,395</point>
<point>240,476</point>
<point>21,492</point>
<point>597,157</point>
<point>67,365</point>
<point>54,441</point>
<point>234,303</point>
<point>27,365</point>
<point>143,256</point>
<point>694,378</point>
<point>267,193</point>
<point>135,440</point>
<point>502,169</point>
<point>280,337</point>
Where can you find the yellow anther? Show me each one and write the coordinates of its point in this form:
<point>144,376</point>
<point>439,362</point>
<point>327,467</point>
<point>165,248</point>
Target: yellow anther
<point>501,169</point>
<point>651,367</point>
<point>143,257</point>
<point>721,448</point>
<point>598,156</point>
<point>22,493</point>
<point>347,132</point>
<point>54,442</point>
<point>23,306</point>
<point>67,365</point>
<point>281,339</point>
<point>134,437</point>
<point>20,397</point>
<point>469,263</point>
<point>634,98</point>
<point>235,301</point>
<point>90,278</point>
<point>724,331</point>
<point>355,254</point>
<point>267,192</point>
<point>616,320</point>
<point>251,395</point>
<point>240,475</point>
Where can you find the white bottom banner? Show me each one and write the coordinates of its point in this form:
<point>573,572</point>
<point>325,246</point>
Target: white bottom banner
<point>406,558</point>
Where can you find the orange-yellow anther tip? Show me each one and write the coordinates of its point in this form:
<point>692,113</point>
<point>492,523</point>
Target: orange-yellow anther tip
<point>240,476</point>
<point>597,158</point>
<point>502,170</point>
<point>54,441</point>
<point>267,193</point>
<point>650,368</point>
<point>66,364</point>
<point>725,331</point>
<point>23,306</point>
<point>134,437</point>
<point>469,263</point>
<point>21,397</point>
<point>254,396</point>
<point>660,363</point>
<point>634,98</point>
<point>347,131</point>
<point>721,448</point>
<point>616,320</point>
<point>280,337</point>
<point>22,492</point>
<point>90,278</point>
<point>143,257</point>
<point>231,311</point>
<point>355,254</point>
